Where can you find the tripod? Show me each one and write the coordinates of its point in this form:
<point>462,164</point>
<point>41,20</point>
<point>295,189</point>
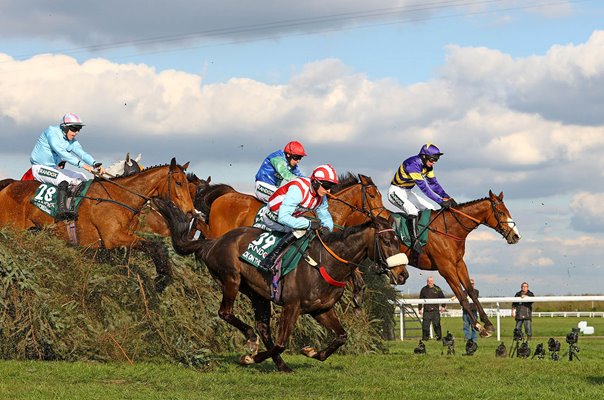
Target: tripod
<point>514,347</point>
<point>572,352</point>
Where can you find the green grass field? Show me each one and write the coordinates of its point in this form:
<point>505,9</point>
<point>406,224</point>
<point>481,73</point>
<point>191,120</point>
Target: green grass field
<point>396,375</point>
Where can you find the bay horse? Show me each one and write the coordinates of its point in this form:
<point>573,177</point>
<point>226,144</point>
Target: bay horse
<point>448,230</point>
<point>351,202</point>
<point>108,214</point>
<point>306,290</point>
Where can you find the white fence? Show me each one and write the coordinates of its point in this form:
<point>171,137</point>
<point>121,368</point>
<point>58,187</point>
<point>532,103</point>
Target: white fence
<point>498,312</point>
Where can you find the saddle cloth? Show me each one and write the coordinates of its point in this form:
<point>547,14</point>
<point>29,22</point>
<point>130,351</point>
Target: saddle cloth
<point>401,228</point>
<point>260,247</point>
<point>45,197</point>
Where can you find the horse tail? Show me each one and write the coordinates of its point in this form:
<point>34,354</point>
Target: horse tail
<point>5,182</point>
<point>210,194</point>
<point>179,227</point>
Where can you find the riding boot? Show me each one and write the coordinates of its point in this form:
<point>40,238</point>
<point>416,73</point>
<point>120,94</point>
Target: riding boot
<point>63,213</point>
<point>412,225</point>
<point>269,261</point>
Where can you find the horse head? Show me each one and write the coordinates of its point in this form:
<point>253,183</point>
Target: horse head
<point>176,187</point>
<point>131,165</point>
<point>386,253</point>
<point>501,220</point>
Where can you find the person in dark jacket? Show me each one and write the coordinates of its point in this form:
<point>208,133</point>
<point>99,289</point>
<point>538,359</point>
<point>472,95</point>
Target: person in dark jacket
<point>523,312</point>
<point>430,313</point>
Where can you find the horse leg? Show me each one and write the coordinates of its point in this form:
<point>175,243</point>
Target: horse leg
<point>289,316</point>
<point>157,251</point>
<point>358,288</point>
<point>230,289</point>
<point>329,320</point>
<point>262,313</point>
<point>465,279</point>
<point>448,272</point>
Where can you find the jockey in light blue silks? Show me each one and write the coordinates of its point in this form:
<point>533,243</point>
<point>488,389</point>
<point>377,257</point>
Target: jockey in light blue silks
<point>418,171</point>
<point>279,167</point>
<point>56,146</point>
<point>285,208</point>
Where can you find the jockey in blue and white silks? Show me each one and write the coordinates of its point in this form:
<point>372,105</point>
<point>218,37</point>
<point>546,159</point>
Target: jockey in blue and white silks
<point>285,208</point>
<point>418,171</point>
<point>279,167</point>
<point>57,144</point>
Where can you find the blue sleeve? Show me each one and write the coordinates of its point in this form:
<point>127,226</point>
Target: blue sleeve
<point>324,215</point>
<point>290,203</point>
<point>60,147</point>
<point>76,148</point>
<point>297,171</point>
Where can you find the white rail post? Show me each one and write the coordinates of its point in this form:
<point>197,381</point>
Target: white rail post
<point>402,318</point>
<point>498,322</point>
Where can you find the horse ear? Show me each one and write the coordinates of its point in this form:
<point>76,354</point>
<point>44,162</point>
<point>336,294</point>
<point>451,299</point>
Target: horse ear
<point>173,163</point>
<point>138,158</point>
<point>491,194</point>
<point>209,179</point>
<point>184,167</point>
<point>128,158</point>
<point>501,196</point>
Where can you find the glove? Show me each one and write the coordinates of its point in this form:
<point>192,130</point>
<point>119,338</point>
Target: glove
<point>314,224</point>
<point>447,203</point>
<point>97,165</point>
<point>61,165</point>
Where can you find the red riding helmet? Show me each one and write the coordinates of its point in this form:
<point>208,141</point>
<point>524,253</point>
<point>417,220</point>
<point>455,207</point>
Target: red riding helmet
<point>295,148</point>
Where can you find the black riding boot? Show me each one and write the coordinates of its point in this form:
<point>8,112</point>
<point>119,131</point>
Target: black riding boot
<point>269,261</point>
<point>412,225</point>
<point>62,212</point>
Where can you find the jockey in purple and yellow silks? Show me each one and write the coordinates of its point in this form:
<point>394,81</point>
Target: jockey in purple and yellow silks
<point>285,208</point>
<point>278,168</point>
<point>418,171</point>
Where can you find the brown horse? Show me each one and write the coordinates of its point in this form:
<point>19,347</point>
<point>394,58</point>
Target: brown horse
<point>108,214</point>
<point>350,203</point>
<point>305,290</point>
<point>448,230</point>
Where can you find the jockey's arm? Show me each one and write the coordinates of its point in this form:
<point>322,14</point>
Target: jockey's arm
<point>290,202</point>
<point>280,165</point>
<point>425,188</point>
<point>323,213</point>
<point>62,147</point>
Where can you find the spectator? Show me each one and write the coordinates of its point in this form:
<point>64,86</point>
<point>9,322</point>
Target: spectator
<point>431,312</point>
<point>523,312</point>
<point>468,330</point>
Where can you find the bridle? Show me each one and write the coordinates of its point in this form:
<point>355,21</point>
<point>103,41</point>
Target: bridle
<point>365,208</point>
<point>379,256</point>
<point>134,192</point>
<point>498,215</point>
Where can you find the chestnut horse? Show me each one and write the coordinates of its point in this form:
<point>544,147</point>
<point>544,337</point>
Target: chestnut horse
<point>305,290</point>
<point>448,230</point>
<point>350,203</point>
<point>108,214</point>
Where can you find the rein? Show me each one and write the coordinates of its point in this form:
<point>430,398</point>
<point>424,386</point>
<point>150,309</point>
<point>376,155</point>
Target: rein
<point>364,204</point>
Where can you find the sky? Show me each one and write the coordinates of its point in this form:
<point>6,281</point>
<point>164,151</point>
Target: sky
<point>512,91</point>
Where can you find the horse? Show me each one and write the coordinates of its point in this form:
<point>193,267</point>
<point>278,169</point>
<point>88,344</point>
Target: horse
<point>108,213</point>
<point>351,202</point>
<point>447,233</point>
<point>307,289</point>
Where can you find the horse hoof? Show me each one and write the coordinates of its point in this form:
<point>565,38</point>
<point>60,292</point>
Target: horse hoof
<point>246,359</point>
<point>489,328</point>
<point>252,346</point>
<point>309,351</point>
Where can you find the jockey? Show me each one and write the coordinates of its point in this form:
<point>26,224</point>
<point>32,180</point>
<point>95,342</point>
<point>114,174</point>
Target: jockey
<point>285,207</point>
<point>279,167</point>
<point>418,170</point>
<point>55,146</point>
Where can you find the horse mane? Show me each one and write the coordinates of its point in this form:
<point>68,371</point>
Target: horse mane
<point>346,180</point>
<point>340,235</point>
<point>144,170</point>
<point>468,203</point>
